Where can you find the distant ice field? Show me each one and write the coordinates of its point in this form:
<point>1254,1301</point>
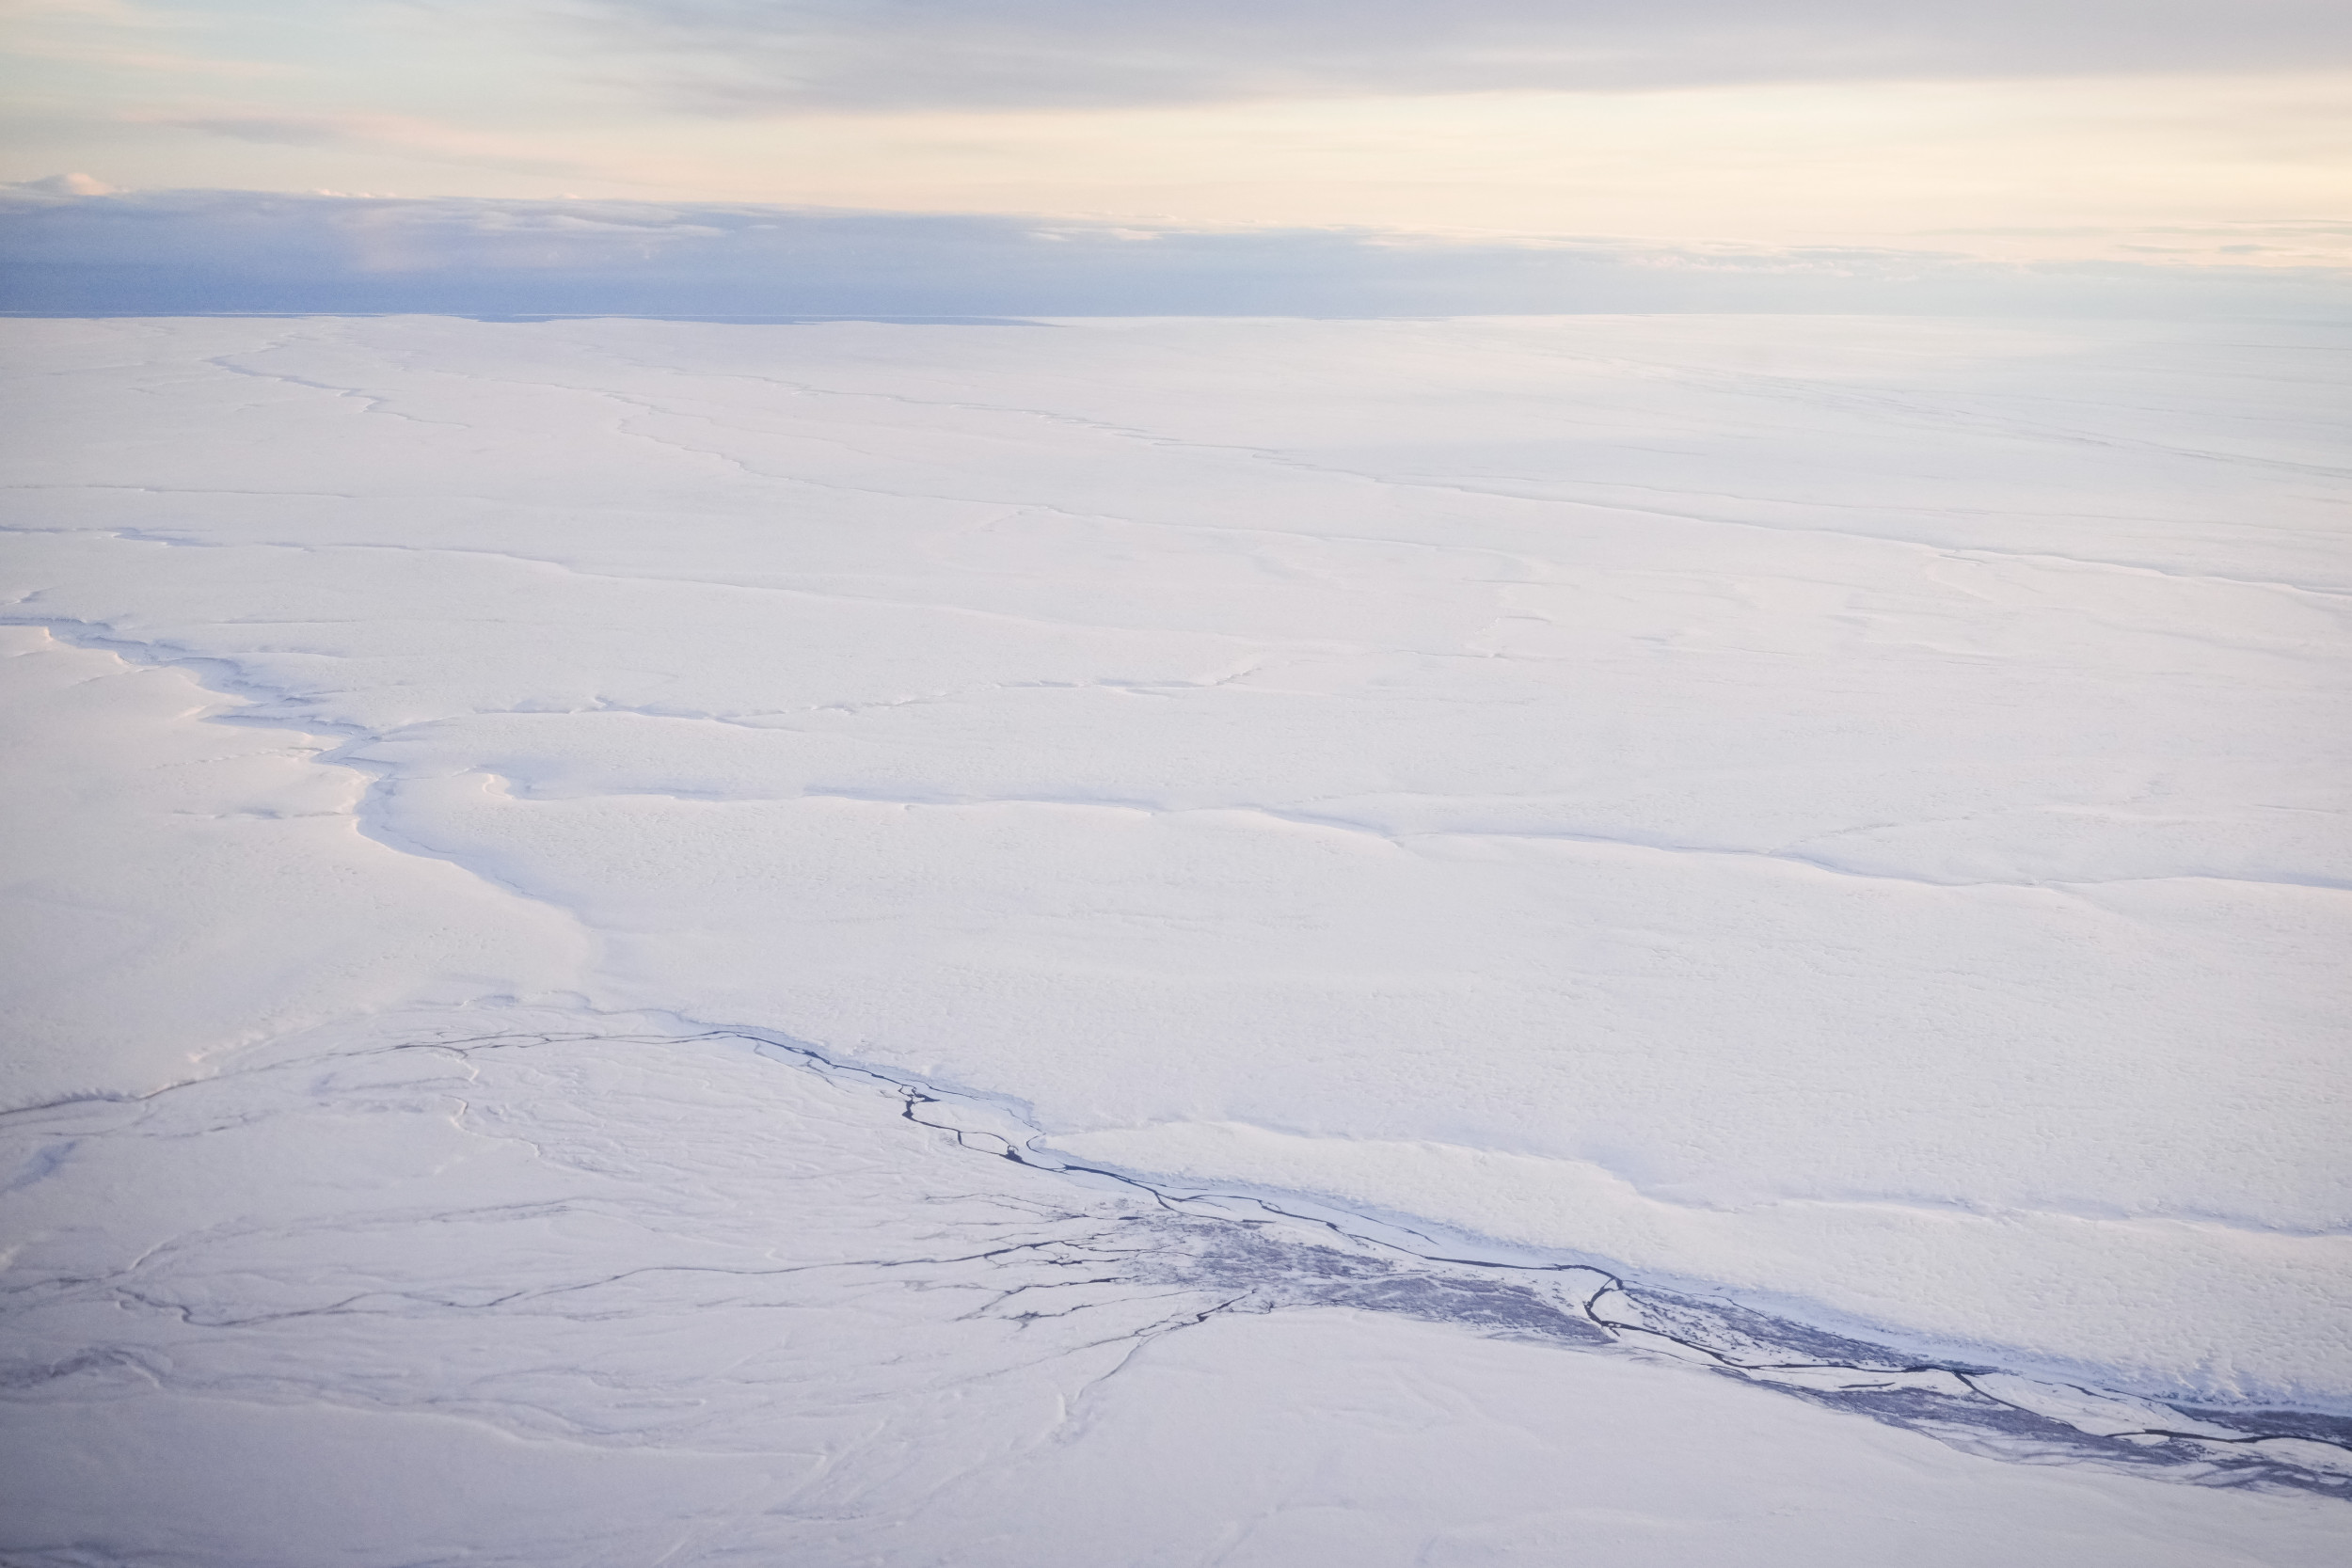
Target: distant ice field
<point>1843,813</point>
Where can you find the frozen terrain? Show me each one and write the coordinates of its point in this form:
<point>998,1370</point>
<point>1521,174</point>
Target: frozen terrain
<point>1668,939</point>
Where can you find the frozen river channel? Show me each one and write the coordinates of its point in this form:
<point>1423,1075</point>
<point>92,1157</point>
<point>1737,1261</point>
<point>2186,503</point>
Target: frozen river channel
<point>1660,940</point>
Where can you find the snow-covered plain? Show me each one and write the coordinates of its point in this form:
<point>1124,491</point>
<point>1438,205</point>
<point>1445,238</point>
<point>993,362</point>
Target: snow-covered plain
<point>529,830</point>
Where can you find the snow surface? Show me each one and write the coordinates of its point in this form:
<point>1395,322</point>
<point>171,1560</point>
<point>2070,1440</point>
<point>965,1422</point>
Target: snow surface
<point>1842,816</point>
<point>538,1298</point>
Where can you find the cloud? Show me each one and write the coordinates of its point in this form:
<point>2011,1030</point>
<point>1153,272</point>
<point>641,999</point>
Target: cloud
<point>176,252</point>
<point>62,184</point>
<point>751,56</point>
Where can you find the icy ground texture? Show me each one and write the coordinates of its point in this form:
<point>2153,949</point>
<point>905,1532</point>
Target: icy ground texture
<point>389,1298</point>
<point>1844,814</point>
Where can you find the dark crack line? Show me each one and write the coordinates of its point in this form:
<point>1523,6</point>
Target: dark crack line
<point>1371,1267</point>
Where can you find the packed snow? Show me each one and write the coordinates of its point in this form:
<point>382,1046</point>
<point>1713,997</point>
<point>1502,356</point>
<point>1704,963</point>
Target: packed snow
<point>1669,935</point>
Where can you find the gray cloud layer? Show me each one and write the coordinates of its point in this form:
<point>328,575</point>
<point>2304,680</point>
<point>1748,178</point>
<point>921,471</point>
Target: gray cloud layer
<point>770,56</point>
<point>173,252</point>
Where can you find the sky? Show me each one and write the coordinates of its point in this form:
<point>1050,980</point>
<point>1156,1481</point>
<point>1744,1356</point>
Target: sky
<point>2166,133</point>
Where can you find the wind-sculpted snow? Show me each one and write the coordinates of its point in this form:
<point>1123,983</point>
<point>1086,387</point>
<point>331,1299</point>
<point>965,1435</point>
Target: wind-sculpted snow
<point>1836,825</point>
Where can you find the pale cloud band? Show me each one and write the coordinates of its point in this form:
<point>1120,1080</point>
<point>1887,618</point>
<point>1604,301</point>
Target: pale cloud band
<point>67,247</point>
<point>746,55</point>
